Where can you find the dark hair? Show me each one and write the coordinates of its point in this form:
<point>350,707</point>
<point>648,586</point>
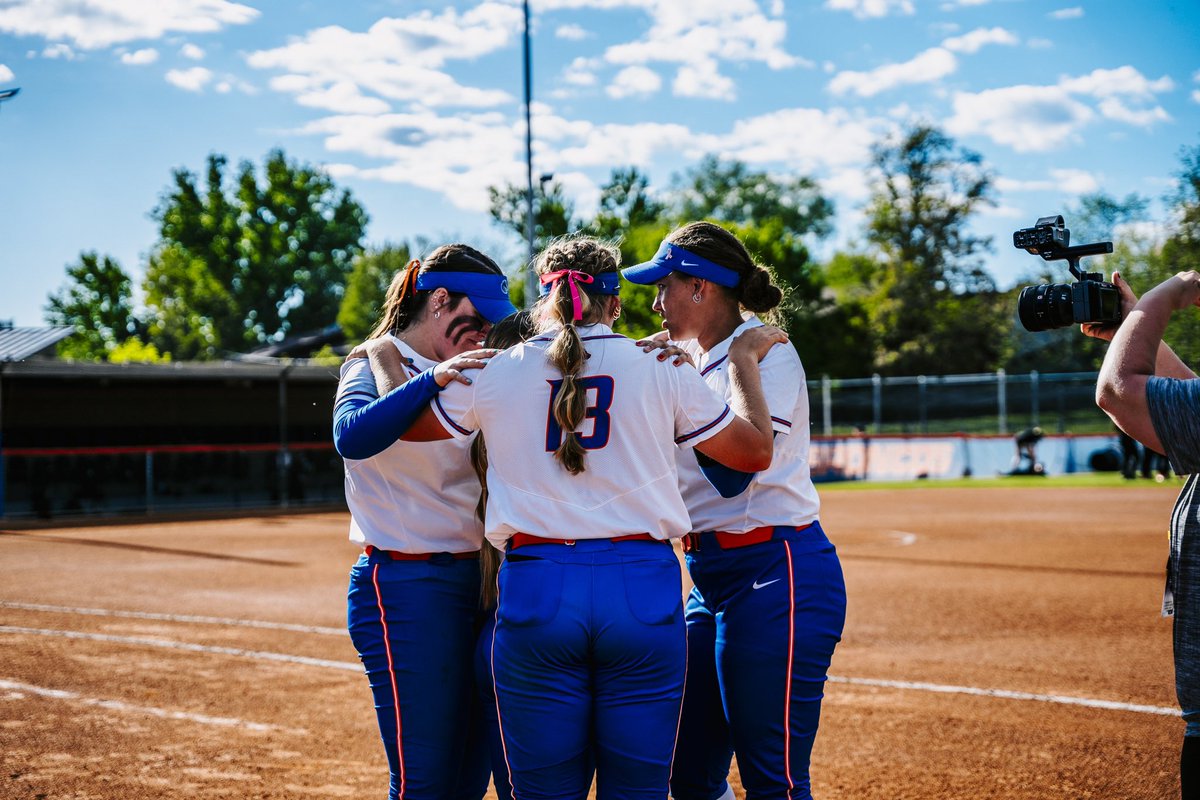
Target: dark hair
<point>513,329</point>
<point>404,302</point>
<point>583,254</point>
<point>755,290</point>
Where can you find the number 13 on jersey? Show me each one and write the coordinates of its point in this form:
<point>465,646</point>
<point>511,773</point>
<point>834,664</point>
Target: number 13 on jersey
<point>598,390</point>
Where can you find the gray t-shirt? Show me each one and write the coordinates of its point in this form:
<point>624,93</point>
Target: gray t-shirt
<point>1175,413</point>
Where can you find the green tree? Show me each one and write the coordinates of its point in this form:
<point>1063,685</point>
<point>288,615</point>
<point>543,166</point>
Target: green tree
<point>553,211</point>
<point>625,203</point>
<point>1180,251</point>
<point>931,289</point>
<point>729,191</point>
<point>366,288</point>
<point>238,266</point>
<point>98,303</point>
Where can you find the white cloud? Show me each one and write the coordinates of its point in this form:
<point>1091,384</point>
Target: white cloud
<point>1073,181</point>
<point>572,33</point>
<point>804,139</point>
<point>963,3</point>
<point>396,60</point>
<point>191,51</point>
<point>634,81</point>
<point>973,41</point>
<point>59,50</point>
<point>1114,109</point>
<point>1026,118</point>
<point>6,74</point>
<point>926,67</point>
<point>703,80</point>
<point>1123,80</point>
<point>581,72</point>
<point>231,83</point>
<point>1003,212</point>
<point>1196,96</point>
<point>192,80</point>
<point>147,55</point>
<point>867,9</point>
<point>1039,118</point>
<point>1067,13</point>
<point>92,24</point>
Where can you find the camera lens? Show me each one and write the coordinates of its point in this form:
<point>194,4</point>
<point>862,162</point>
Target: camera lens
<point>1045,307</point>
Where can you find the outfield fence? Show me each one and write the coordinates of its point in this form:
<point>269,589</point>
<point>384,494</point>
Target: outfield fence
<point>986,403</point>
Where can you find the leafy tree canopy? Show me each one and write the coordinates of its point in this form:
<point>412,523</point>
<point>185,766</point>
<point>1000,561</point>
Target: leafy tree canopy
<point>98,303</point>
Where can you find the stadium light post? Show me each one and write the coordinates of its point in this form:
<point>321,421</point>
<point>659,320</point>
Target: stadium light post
<point>530,278</point>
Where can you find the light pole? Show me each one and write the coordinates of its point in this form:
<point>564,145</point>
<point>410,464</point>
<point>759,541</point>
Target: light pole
<point>530,278</point>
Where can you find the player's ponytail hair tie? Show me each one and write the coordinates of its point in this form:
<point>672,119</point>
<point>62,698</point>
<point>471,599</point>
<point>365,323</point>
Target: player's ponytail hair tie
<point>409,287</point>
<point>574,277</point>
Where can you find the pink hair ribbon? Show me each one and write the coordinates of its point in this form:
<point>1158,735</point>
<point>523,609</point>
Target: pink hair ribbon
<point>574,277</point>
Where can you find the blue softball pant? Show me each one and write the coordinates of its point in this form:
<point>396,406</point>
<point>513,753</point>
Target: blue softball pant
<point>762,625</point>
<point>414,625</point>
<point>588,661</point>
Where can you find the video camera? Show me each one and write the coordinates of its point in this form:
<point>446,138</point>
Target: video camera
<point>1056,305</point>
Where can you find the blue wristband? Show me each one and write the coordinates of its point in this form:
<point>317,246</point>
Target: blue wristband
<point>363,428</point>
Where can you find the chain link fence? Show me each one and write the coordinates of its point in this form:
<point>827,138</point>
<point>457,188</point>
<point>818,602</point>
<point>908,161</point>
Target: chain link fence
<point>985,403</point>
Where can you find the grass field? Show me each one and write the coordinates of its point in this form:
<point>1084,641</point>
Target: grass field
<point>1000,643</point>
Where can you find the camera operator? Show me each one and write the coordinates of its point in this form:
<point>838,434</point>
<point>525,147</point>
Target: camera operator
<point>1154,397</point>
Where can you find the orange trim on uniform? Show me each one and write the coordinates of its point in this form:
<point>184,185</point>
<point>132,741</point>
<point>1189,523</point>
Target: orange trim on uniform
<point>787,700</point>
<point>387,646</point>
<point>522,539</point>
<point>396,555</point>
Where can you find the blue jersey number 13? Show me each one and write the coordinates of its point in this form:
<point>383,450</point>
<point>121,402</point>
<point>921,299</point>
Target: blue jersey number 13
<point>599,389</point>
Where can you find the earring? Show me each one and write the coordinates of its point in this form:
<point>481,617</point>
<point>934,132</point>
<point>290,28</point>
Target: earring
<point>617,314</point>
<point>437,315</point>
<point>696,297</point>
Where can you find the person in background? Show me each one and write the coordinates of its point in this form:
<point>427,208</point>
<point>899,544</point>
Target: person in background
<point>769,602</point>
<point>1155,398</point>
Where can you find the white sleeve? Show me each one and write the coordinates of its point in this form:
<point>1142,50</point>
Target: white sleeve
<point>454,407</point>
<point>700,413</point>
<point>782,384</point>
<point>356,380</point>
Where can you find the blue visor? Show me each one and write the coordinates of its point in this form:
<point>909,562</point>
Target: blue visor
<point>604,283</point>
<point>487,291</point>
<point>672,258</point>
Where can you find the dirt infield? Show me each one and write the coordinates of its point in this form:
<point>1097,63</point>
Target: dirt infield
<point>1000,643</point>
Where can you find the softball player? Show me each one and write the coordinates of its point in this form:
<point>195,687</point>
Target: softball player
<point>769,601</point>
<point>413,596</point>
<point>588,656</point>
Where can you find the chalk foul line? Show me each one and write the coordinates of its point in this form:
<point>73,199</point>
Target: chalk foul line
<point>17,689</point>
<point>108,612</point>
<point>1007,694</point>
<point>261,655</point>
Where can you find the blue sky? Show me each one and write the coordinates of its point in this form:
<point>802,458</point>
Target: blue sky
<point>417,106</point>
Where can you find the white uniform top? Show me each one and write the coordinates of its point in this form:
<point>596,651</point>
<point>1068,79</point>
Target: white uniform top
<point>639,408</point>
<point>414,497</point>
<point>783,493</point>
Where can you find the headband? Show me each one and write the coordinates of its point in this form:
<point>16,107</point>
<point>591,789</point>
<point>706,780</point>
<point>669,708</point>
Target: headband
<point>673,258</point>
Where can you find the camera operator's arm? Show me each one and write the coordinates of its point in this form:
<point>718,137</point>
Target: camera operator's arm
<point>1166,363</point>
<point>1132,358</point>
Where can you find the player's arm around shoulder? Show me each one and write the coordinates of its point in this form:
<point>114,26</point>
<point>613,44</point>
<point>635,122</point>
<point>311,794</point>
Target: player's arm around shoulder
<point>747,444</point>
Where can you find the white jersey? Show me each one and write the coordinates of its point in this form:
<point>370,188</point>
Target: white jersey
<point>414,497</point>
<point>783,493</point>
<point>638,410</point>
